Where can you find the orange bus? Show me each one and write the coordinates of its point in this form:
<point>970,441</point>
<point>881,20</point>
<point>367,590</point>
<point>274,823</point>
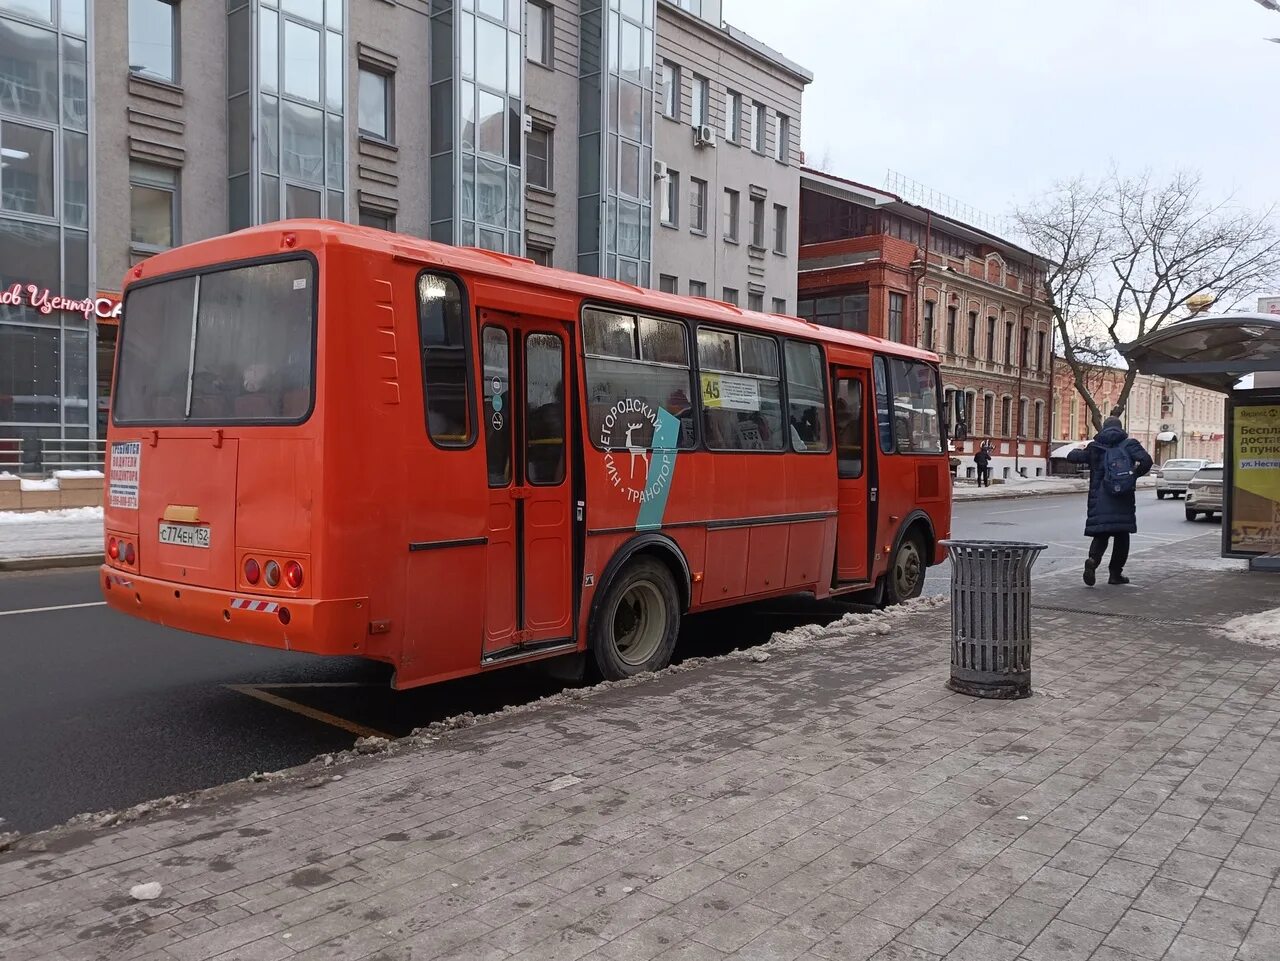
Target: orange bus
<point>334,439</point>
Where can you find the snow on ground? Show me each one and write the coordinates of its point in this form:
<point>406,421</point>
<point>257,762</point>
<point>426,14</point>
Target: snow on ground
<point>27,484</point>
<point>1021,486</point>
<point>1261,630</point>
<point>75,530</point>
<point>75,474</point>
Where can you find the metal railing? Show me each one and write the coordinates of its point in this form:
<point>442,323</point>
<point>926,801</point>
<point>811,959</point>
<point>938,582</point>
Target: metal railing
<point>62,454</point>
<point>10,455</point>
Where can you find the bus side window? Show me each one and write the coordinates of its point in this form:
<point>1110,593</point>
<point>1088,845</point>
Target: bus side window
<point>446,368</point>
<point>849,427</point>
<point>807,398</point>
<point>884,414</point>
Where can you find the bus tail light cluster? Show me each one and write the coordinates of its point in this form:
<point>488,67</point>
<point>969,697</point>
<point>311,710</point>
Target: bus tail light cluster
<point>271,573</point>
<point>119,549</point>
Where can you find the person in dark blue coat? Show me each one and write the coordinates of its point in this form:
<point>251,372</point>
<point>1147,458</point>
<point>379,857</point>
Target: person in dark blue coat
<point>1111,516</point>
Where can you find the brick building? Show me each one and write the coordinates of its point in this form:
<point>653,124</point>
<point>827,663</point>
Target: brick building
<point>979,302</point>
<point>1169,418</point>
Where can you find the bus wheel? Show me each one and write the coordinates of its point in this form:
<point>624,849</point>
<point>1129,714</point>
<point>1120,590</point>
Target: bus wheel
<point>905,577</point>
<point>637,622</point>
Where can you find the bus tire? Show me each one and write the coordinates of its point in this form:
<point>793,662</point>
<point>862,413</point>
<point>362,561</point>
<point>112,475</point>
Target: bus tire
<point>636,625</point>
<point>904,579</point>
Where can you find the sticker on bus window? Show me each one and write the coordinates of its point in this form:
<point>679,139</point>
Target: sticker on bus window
<point>125,469</point>
<point>300,283</point>
<point>727,392</point>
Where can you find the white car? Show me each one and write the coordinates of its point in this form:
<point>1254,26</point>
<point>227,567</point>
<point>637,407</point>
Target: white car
<point>1173,476</point>
<point>1204,493</point>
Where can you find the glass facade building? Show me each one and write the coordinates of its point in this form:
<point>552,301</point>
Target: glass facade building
<point>45,220</point>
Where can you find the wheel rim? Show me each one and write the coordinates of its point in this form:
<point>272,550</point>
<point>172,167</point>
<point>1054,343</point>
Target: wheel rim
<point>639,623</point>
<point>907,569</point>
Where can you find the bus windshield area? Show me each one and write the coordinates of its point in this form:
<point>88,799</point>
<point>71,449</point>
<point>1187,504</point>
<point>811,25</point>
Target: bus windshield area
<point>231,346</point>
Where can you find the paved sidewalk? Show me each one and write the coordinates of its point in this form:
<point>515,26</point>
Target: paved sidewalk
<point>835,802</point>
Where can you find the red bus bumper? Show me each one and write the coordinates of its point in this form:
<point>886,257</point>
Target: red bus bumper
<point>315,627</point>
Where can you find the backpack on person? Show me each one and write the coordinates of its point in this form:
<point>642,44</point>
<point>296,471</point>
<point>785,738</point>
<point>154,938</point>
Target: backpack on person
<point>1118,475</point>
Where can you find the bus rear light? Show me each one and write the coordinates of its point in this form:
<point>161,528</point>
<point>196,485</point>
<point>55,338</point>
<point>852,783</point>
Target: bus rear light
<point>252,572</point>
<point>293,574</point>
<point>272,573</point>
<point>113,548</point>
<point>130,555</point>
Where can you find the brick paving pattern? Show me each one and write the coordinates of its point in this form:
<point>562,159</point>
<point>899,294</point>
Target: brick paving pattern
<point>835,804</point>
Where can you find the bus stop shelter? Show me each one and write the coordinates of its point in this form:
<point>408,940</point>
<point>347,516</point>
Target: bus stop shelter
<point>1239,355</point>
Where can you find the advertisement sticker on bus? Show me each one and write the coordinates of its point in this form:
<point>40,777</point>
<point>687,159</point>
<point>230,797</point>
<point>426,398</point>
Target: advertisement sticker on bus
<point>125,469</point>
<point>726,392</point>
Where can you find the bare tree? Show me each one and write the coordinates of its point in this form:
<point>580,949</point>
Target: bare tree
<point>1129,256</point>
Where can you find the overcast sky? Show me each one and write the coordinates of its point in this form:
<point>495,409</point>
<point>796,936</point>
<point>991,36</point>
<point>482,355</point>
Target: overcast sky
<point>990,101</point>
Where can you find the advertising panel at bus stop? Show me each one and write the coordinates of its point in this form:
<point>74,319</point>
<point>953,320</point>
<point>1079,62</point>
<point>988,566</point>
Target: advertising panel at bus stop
<point>1251,508</point>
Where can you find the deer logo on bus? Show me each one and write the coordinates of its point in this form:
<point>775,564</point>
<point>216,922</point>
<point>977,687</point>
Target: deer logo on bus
<point>628,417</point>
<point>636,451</point>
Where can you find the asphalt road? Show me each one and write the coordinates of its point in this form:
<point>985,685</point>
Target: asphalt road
<point>100,711</point>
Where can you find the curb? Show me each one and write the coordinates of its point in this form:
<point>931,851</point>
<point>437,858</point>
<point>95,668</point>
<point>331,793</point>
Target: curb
<point>1012,495</point>
<point>50,563</point>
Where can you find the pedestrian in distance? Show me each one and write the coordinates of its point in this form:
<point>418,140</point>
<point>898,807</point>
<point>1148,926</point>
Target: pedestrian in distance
<point>983,460</point>
<point>1115,461</point>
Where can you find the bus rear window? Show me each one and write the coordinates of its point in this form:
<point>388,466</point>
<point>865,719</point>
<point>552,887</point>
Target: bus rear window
<point>227,347</point>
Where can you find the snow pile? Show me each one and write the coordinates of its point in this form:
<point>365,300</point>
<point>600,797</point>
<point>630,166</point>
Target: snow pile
<point>1260,630</point>
<point>146,892</point>
<point>76,474</point>
<point>46,517</point>
<point>38,485</point>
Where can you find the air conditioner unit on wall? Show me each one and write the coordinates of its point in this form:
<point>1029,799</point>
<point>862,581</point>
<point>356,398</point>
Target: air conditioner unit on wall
<point>704,135</point>
<point>659,170</point>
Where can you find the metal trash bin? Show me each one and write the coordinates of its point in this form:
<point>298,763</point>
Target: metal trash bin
<point>991,617</point>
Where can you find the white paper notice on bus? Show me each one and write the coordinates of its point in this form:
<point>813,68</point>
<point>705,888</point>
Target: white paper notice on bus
<point>125,468</point>
<point>730,393</point>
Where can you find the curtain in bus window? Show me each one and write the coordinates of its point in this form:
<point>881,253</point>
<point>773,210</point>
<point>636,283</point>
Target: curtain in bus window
<point>807,398</point>
<point>635,366</point>
<point>544,402</point>
<point>155,349</point>
<point>915,405</point>
<point>741,394</point>
<point>884,419</point>
<point>849,427</point>
<point>253,343</point>
<point>446,375</point>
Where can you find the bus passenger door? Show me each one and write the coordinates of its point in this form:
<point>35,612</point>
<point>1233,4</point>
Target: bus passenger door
<point>853,526</point>
<point>530,596</point>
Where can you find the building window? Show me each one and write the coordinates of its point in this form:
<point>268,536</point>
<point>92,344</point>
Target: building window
<point>951,330</point>
<point>1039,419</point>
<point>668,284</point>
<point>926,335</point>
<point>779,305</point>
<point>755,301</point>
<point>1040,342</point>
<point>671,200</point>
<point>991,340</point>
<point>1025,352</point>
<point>782,146</point>
<point>730,296</point>
<point>897,306</point>
<point>27,179</point>
<point>539,35</point>
<point>538,254</point>
<point>377,218</point>
<point>374,103</point>
<point>153,39</point>
<point>1006,416</point>
<point>697,205</point>
<point>758,128</point>
<point>1008,343</point>
<point>1022,417</point>
<point>701,100</point>
<point>988,414</point>
<point>757,222</point>
<point>973,334</point>
<point>843,311</point>
<point>670,90</point>
<point>732,203</point>
<point>779,229</point>
<point>733,116</point>
<point>153,207</point>
<point>538,157</point>
<point>697,288</point>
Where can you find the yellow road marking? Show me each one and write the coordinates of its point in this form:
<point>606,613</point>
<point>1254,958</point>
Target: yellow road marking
<point>324,717</point>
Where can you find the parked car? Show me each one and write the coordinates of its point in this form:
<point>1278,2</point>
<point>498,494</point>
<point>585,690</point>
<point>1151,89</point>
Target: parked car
<point>1173,476</point>
<point>1204,493</point>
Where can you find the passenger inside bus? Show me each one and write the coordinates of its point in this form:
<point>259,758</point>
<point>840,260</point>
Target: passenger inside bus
<point>546,440</point>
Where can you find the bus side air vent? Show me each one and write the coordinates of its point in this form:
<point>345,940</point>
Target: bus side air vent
<point>927,481</point>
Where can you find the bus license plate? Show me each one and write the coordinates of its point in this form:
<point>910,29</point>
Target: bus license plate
<point>184,535</point>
